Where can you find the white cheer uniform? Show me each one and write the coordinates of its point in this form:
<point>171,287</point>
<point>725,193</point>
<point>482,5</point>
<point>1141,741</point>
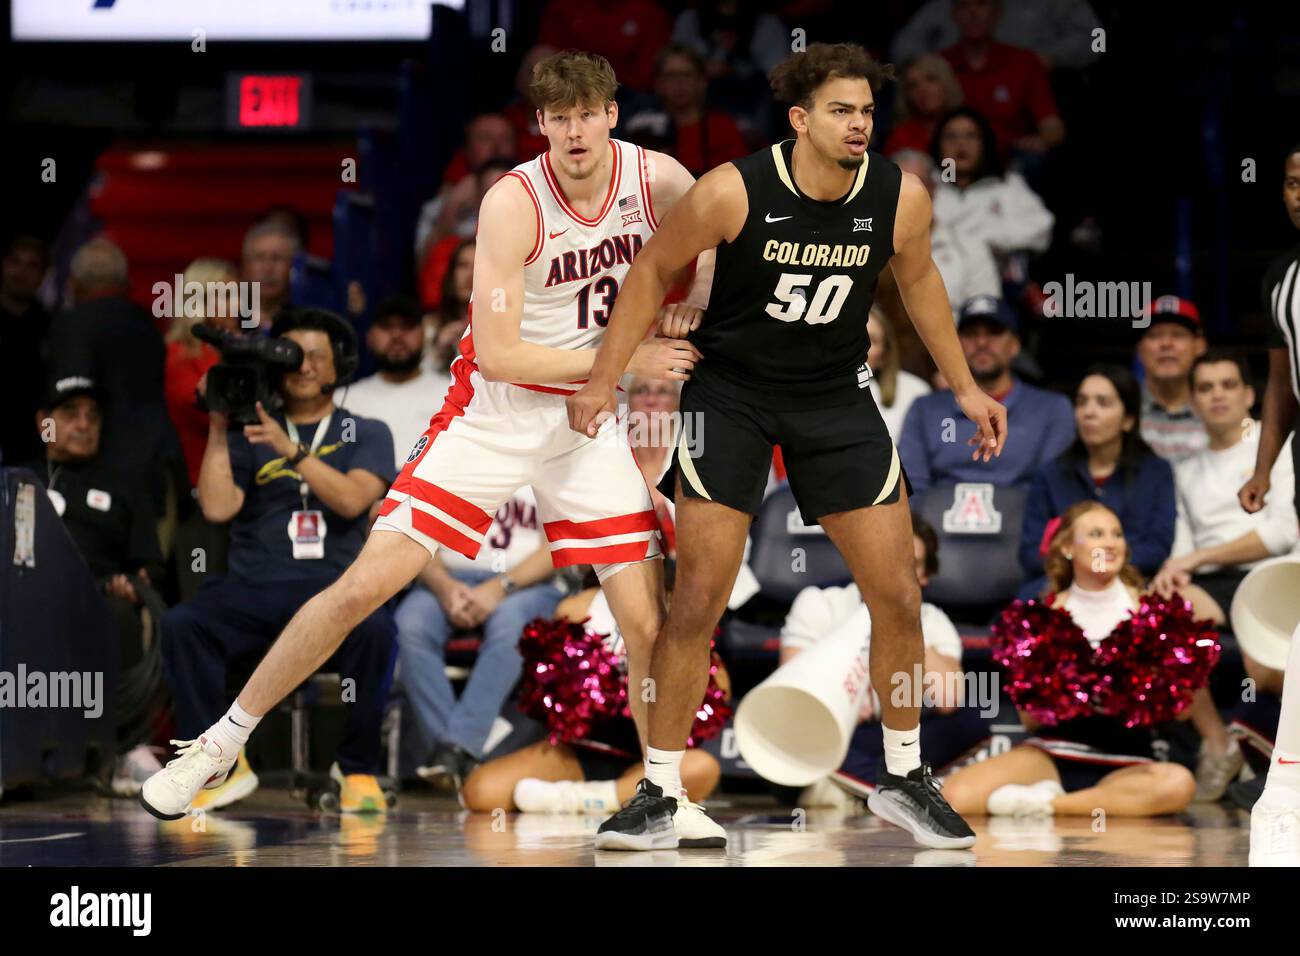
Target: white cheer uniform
<point>491,438</point>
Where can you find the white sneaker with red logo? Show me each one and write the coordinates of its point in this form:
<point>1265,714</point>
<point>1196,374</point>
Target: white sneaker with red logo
<point>199,764</point>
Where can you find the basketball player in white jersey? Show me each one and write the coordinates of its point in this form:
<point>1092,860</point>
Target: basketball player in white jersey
<point>556,237</point>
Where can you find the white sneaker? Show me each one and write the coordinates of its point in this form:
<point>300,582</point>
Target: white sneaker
<point>198,764</point>
<point>1275,828</point>
<point>566,796</point>
<point>1019,800</point>
<point>132,769</point>
<point>1215,771</point>
<point>695,831</point>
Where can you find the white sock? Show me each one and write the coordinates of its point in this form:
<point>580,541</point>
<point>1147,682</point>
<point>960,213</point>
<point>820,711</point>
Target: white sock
<point>902,750</point>
<point>233,729</point>
<point>1284,771</point>
<point>663,768</point>
<point>604,791</point>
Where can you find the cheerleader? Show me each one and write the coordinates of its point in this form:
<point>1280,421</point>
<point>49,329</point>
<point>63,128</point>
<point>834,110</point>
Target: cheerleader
<point>596,774</point>
<point>1089,762</point>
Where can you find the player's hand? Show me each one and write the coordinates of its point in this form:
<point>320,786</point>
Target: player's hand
<point>270,432</point>
<point>676,321</point>
<point>990,418</point>
<point>590,406</point>
<point>1253,493</point>
<point>673,359</point>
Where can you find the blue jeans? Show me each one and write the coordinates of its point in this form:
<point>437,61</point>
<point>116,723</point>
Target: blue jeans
<point>423,631</point>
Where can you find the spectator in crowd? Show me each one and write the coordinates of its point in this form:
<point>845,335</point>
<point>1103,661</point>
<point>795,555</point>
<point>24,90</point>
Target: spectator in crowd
<point>500,591</point>
<point>593,776</point>
<point>267,259</point>
<point>454,215</point>
<point>23,326</point>
<point>296,488</point>
<point>1110,463</point>
<point>893,388</point>
<point>934,448</point>
<point>1059,31</point>
<point>188,359</point>
<point>1168,347</point>
<point>681,123</point>
<point>982,201</point>
<point>402,394</point>
<point>1006,84</point>
<point>112,340</point>
<point>114,529</point>
<point>965,261</point>
<point>521,112</point>
<point>653,432</point>
<point>1088,763</point>
<point>628,33</point>
<point>1217,542</point>
<point>928,91</point>
<point>445,326</point>
<point>741,46</point>
<point>487,136</point>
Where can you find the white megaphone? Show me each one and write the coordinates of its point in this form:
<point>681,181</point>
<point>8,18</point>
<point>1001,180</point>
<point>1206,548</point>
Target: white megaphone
<point>1266,610</point>
<point>795,727</point>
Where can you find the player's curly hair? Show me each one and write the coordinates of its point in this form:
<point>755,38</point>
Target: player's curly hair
<point>796,78</point>
<point>570,78</point>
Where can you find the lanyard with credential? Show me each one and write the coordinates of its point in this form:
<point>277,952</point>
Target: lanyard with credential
<point>321,429</point>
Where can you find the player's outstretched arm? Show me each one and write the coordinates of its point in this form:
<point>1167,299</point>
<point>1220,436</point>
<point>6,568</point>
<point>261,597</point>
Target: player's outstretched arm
<point>926,300</point>
<point>503,243</point>
<point>669,182</point>
<point>712,212</point>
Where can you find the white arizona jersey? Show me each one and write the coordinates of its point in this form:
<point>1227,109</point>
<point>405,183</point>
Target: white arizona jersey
<point>577,265</point>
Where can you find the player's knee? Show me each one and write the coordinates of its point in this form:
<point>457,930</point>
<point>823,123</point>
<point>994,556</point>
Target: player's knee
<point>899,602</point>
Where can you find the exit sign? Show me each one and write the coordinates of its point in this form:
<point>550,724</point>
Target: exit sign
<point>269,101</point>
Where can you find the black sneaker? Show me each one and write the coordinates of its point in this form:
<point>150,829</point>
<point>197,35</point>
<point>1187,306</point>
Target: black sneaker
<point>1244,795</point>
<point>915,804</point>
<point>447,767</point>
<point>645,823</point>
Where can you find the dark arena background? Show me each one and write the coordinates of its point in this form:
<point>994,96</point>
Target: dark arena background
<point>188,186</point>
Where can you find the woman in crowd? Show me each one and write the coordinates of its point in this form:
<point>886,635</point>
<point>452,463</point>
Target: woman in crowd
<point>652,432</point>
<point>447,324</point>
<point>893,388</point>
<point>927,91</point>
<point>1087,763</point>
<point>1109,463</point>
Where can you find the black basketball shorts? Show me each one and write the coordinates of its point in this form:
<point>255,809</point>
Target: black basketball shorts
<point>837,458</point>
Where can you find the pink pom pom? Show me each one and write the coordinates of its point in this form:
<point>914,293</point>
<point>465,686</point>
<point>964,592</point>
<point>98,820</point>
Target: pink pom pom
<point>1047,660</point>
<point>571,680</point>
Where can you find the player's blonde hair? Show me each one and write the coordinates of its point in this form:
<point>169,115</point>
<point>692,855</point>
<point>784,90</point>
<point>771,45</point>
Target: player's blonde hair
<point>571,78</point>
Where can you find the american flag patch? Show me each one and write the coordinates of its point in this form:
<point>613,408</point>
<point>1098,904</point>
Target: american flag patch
<point>629,210</point>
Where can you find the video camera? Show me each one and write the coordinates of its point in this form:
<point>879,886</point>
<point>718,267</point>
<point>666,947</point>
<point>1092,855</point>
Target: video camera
<point>249,372</point>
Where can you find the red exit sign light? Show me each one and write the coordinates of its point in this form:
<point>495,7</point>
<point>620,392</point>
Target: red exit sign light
<point>275,101</point>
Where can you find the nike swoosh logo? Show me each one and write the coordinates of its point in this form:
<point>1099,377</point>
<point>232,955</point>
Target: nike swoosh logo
<point>769,218</point>
<point>560,233</point>
<point>909,743</point>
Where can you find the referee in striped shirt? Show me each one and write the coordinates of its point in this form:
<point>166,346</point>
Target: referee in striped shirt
<point>1274,837</point>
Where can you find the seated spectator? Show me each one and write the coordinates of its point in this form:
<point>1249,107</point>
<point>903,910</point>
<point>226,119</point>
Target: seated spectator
<point>1216,541</point>
<point>454,215</point>
<point>509,584</point>
<point>489,137</point>
<point>652,431</point>
<point>446,325</point>
<point>681,123</point>
<point>188,359</point>
<point>934,448</point>
<point>1082,765</point>
<point>1007,84</point>
<point>1110,463</point>
<point>1168,347</point>
<point>402,394</point>
<point>628,33</point>
<point>740,46</point>
<point>595,775</point>
<point>981,201</point>
<point>107,337</point>
<point>893,388</point>
<point>114,529</point>
<point>1059,31</point>
<point>23,326</point>
<point>296,488</point>
<point>966,262</point>
<point>521,112</point>
<point>927,92</point>
<point>267,259</point>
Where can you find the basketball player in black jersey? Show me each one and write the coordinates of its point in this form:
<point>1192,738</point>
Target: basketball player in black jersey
<point>802,231</point>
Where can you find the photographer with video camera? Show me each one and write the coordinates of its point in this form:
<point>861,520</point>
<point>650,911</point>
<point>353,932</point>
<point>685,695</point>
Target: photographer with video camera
<point>295,474</point>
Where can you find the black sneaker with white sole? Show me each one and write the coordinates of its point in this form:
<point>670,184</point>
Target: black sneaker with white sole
<point>916,804</point>
<point>645,823</point>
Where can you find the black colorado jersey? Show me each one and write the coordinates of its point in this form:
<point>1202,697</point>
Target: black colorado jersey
<point>787,317</point>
